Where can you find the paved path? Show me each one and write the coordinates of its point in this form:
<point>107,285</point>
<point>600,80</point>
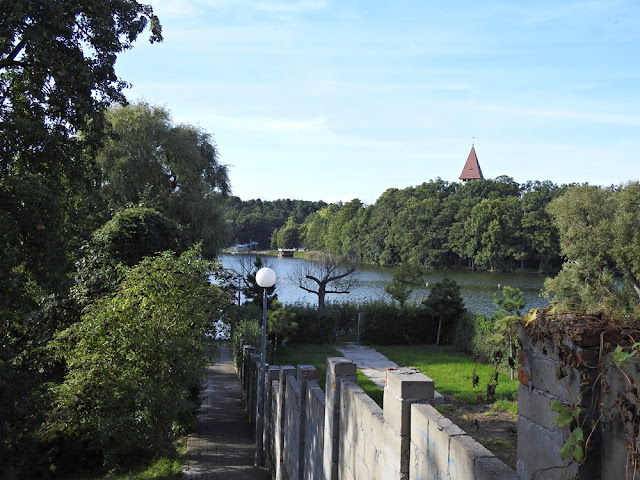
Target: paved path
<point>373,364</point>
<point>223,445</point>
<point>369,361</point>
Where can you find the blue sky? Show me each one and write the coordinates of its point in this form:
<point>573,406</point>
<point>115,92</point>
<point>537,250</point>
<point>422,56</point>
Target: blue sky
<point>337,99</point>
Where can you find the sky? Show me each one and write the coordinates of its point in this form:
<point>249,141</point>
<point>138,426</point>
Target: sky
<point>340,99</point>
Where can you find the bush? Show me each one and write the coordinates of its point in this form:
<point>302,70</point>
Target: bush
<point>246,332</point>
<point>136,359</point>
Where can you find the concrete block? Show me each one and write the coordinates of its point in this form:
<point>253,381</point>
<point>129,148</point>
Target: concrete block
<point>409,383</point>
<point>431,432</point>
<point>551,376</point>
<point>491,468</point>
<point>397,411</point>
<point>362,471</point>
<point>464,451</point>
<point>535,405</point>
<point>372,455</point>
<point>539,449</point>
<point>306,372</point>
<point>396,449</point>
<point>286,371</point>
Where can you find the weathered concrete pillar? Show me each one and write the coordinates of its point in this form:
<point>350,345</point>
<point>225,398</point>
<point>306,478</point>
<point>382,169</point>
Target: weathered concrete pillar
<point>252,389</point>
<point>304,374</point>
<point>314,432</point>
<point>339,369</point>
<point>404,387</point>
<point>278,424</point>
<point>273,376</point>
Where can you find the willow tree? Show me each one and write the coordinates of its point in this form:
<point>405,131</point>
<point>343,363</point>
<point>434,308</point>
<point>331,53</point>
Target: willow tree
<point>149,160</point>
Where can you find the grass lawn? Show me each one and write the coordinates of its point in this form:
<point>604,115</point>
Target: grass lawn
<point>316,355</point>
<point>452,373</point>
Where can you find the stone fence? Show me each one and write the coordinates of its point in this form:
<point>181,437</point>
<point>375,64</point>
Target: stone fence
<point>342,433</point>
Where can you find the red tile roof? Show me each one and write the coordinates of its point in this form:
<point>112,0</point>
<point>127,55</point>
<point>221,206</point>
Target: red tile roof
<point>471,170</point>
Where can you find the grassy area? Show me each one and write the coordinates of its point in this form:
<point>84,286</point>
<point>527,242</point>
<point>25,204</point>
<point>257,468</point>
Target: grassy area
<point>316,355</point>
<point>452,373</point>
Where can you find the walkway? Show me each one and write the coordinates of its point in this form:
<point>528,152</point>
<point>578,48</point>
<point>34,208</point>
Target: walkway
<point>373,364</point>
<point>223,445</point>
<point>369,361</point>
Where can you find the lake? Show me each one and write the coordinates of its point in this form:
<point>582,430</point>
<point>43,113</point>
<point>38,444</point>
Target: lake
<point>477,288</point>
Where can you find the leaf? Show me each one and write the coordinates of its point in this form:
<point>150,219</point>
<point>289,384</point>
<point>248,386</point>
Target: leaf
<point>565,451</point>
<point>578,453</point>
<point>556,406</point>
<point>563,419</point>
<point>530,317</point>
<point>578,434</point>
<point>495,339</point>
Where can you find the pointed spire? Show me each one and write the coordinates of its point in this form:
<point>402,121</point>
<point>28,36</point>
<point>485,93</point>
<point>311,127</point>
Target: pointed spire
<point>471,170</point>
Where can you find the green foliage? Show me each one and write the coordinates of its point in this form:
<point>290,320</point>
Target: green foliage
<point>247,331</point>
<point>281,325</point>
<point>570,416</point>
<point>136,360</point>
<point>131,235</point>
<point>288,236</point>
<point>405,281</point>
<point>256,220</point>
<point>147,160</point>
<point>387,324</point>
<point>445,305</point>
<point>255,293</point>
<point>598,230</point>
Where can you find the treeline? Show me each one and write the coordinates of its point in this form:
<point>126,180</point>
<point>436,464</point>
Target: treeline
<point>256,220</point>
<point>486,224</point>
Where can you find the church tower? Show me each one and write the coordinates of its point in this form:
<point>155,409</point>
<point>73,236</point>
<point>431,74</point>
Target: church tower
<point>471,170</point>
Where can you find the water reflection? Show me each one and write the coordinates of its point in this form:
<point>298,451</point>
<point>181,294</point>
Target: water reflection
<point>477,287</point>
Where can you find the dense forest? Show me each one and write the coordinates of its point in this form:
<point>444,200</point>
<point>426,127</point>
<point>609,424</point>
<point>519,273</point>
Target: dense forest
<point>486,224</point>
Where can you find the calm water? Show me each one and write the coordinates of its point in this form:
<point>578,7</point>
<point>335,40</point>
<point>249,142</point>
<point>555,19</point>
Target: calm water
<point>477,287</point>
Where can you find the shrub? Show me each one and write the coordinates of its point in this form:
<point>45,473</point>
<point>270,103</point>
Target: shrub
<point>136,359</point>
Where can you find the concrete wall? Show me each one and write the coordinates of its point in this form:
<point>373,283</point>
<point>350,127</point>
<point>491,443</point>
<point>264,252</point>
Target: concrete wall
<point>574,373</point>
<point>344,434</point>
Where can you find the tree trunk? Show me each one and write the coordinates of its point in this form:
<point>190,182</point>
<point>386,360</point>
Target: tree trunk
<point>439,329</point>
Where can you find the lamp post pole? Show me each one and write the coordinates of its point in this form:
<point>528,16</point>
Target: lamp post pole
<point>265,278</point>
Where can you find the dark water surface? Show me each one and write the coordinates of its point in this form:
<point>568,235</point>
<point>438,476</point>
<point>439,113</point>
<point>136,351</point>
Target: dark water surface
<point>477,287</point>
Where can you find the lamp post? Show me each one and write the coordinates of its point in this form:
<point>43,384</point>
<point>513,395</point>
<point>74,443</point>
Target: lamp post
<point>265,278</point>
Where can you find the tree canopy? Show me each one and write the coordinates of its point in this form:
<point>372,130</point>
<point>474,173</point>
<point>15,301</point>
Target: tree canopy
<point>148,160</point>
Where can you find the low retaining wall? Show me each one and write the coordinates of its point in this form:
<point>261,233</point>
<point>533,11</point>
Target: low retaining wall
<point>343,434</point>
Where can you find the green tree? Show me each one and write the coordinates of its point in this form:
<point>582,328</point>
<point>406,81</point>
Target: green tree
<point>445,304</point>
<point>252,291</point>
<point>131,235</point>
<point>56,79</point>
<point>405,280</point>
<point>507,320</point>
<point>136,359</point>
<point>174,168</point>
<point>598,230</point>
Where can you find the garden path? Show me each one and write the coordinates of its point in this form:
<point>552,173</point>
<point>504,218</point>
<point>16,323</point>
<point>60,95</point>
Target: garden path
<point>223,444</point>
<point>373,364</point>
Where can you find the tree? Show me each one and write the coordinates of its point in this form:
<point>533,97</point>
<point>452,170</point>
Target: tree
<point>507,320</point>
<point>174,168</point>
<point>136,360</point>
<point>405,280</point>
<point>598,230</point>
<point>445,304</point>
<point>56,79</point>
<point>252,291</point>
<point>325,274</point>
<point>130,236</point>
